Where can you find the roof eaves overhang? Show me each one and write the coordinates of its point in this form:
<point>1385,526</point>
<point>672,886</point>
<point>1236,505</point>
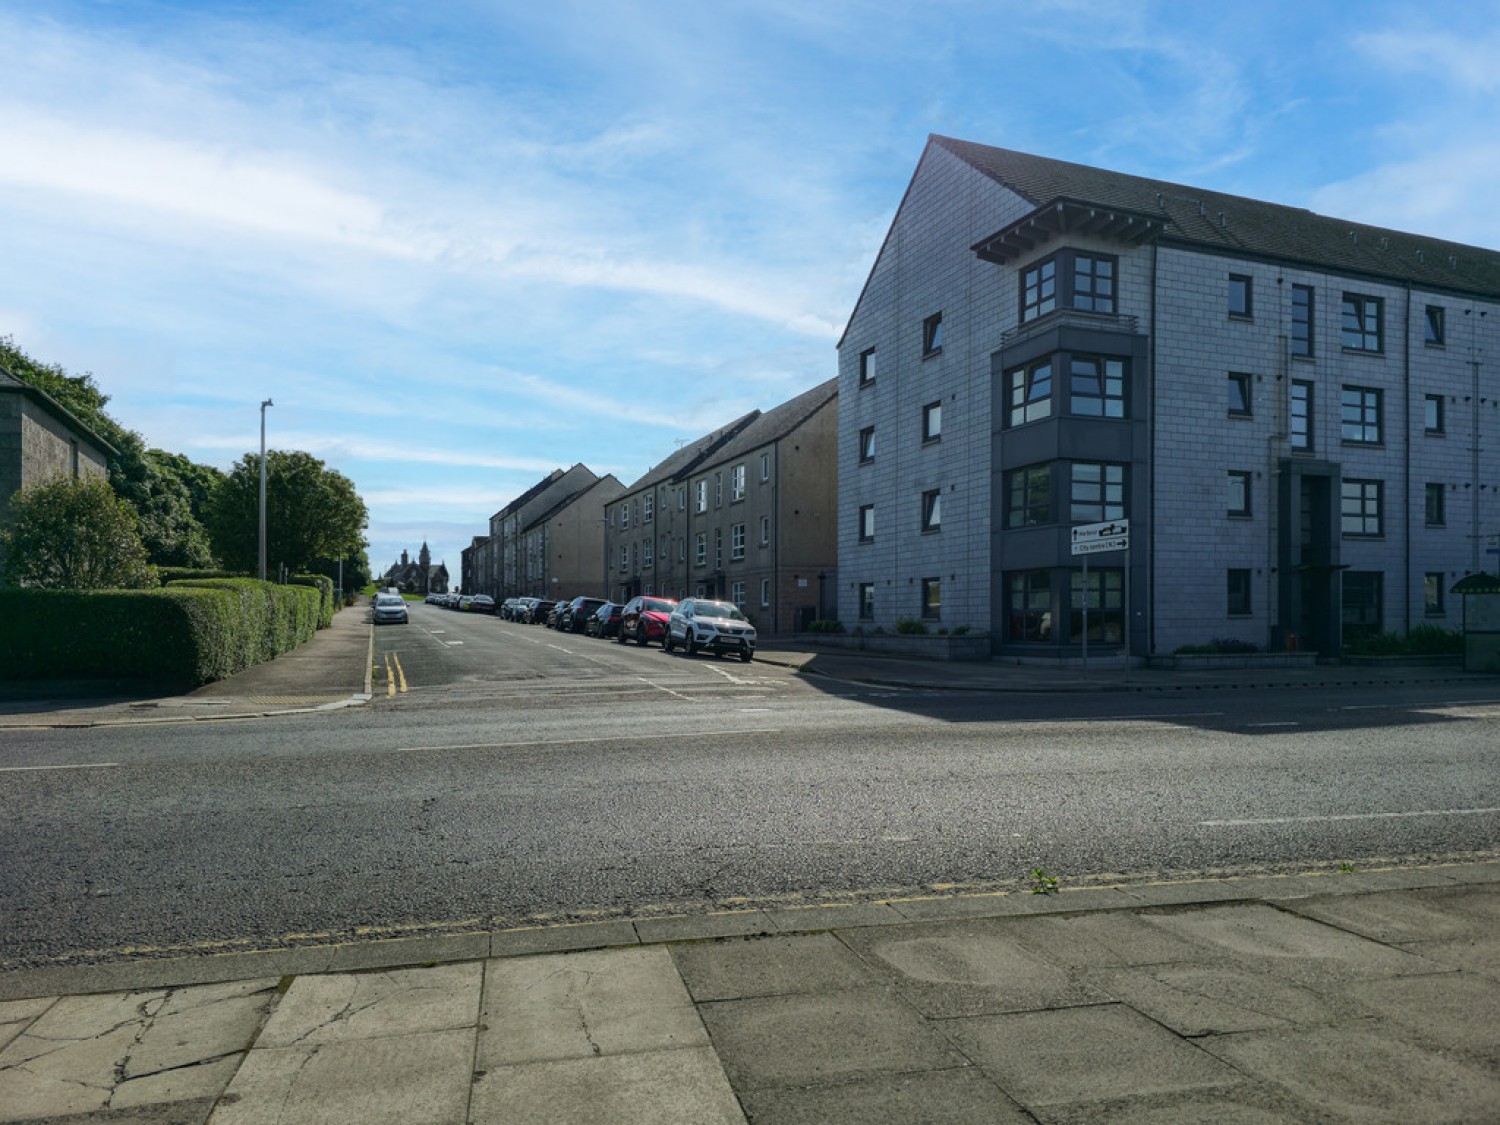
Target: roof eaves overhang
<point>1062,216</point>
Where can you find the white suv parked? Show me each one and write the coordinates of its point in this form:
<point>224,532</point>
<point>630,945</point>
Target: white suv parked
<point>717,626</point>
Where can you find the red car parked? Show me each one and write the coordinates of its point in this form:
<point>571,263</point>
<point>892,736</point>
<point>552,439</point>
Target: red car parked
<point>645,619</point>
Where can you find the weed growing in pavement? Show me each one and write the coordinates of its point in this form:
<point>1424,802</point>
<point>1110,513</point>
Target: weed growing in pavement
<point>1041,882</point>
<point>1346,869</point>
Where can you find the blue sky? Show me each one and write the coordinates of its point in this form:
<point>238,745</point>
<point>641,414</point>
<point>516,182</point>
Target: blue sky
<point>463,243</point>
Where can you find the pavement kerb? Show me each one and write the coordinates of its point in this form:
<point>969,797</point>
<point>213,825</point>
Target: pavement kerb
<point>152,969</point>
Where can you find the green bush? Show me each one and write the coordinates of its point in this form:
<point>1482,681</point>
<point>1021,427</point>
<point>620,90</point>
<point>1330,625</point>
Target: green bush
<point>1424,640</point>
<point>910,626</point>
<point>325,590</point>
<point>185,573</point>
<point>182,635</point>
<point>825,625</point>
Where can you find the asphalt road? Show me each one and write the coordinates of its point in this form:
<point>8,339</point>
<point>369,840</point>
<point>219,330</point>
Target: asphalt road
<point>524,775</point>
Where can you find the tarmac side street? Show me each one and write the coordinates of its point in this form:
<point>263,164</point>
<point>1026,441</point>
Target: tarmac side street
<point>1368,996</point>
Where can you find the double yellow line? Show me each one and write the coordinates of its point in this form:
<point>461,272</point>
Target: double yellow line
<point>393,677</point>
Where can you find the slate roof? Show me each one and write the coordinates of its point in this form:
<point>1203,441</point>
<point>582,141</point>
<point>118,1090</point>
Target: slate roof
<point>1235,224</point>
<point>778,421</point>
<point>682,461</point>
<point>15,385</point>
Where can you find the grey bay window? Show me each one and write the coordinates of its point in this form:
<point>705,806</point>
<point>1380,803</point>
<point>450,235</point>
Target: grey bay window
<point>1096,387</point>
<point>1029,606</point>
<point>1028,393</point>
<point>1070,279</point>
<point>1029,497</point>
<point>1097,492</point>
<point>1104,593</point>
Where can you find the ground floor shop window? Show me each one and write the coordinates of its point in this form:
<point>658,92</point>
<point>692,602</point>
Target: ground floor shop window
<point>1361,606</point>
<point>1029,609</point>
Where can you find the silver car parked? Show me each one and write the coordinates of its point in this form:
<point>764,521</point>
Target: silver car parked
<point>720,627</point>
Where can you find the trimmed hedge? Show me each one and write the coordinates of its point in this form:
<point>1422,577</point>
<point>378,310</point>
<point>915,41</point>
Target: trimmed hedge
<point>183,635</point>
<point>325,588</point>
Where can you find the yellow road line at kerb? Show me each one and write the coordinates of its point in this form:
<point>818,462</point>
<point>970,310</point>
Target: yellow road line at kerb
<point>400,672</point>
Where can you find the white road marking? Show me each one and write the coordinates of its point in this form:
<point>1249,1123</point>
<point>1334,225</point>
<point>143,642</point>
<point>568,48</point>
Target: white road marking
<point>1284,724</point>
<point>712,735</point>
<point>84,766</point>
<point>1346,816</point>
<point>669,691</point>
<point>729,676</point>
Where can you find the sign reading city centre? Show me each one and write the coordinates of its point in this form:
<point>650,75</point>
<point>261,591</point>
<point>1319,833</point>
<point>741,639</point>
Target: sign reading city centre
<point>1095,538</point>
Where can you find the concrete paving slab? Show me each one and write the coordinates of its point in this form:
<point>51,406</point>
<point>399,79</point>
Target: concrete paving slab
<point>84,1053</point>
<point>941,1097</point>
<point>1479,956</point>
<point>693,927</point>
<point>1394,916</point>
<point>939,908</point>
<point>562,939</point>
<point>1364,1071</point>
<point>1296,948</point>
<point>1468,872</point>
<point>736,968</point>
<point>1006,904</point>
<point>1196,1000</point>
<point>148,973</point>
<point>948,969</point>
<point>334,1007</point>
<point>679,1087</point>
<point>812,1040</point>
<point>1236,1105</point>
<point>193,1112</point>
<point>1455,1010</point>
<point>584,1005</point>
<point>1113,938</point>
<point>420,1079</point>
<point>17,1015</point>
<point>1085,1055</point>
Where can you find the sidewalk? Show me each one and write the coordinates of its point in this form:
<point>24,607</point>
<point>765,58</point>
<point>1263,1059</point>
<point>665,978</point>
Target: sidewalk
<point>1362,997</point>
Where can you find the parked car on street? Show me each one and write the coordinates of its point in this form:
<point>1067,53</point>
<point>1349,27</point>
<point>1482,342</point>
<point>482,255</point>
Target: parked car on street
<point>389,609</point>
<point>482,603</point>
<point>604,621</point>
<point>574,615</point>
<point>508,608</point>
<point>720,627</point>
<point>645,619</point>
<point>554,614</point>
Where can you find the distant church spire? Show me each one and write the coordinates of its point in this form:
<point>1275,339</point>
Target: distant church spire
<point>425,557</point>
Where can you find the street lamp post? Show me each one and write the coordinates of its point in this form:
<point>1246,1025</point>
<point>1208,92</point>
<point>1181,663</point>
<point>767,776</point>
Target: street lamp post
<point>263,406</point>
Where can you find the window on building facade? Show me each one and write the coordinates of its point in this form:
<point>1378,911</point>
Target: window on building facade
<point>624,558</point>
<point>765,467</point>
<point>718,548</point>
<point>700,548</point>
<point>1436,330</point>
<point>737,483</point>
<point>737,541</point>
<point>681,499</point>
<point>765,531</point>
<point>1303,323</point>
<point>700,496</point>
<point>1029,605</point>
<point>1097,387</point>
<point>765,593</point>
<point>718,490</point>
<point>1098,492</point>
<point>1093,283</point>
<point>1363,593</point>
<point>932,421</point>
<point>647,553</point>
<point>932,597</point>
<point>1029,393</point>
<point>1029,497</point>
<point>1241,405</point>
<point>1432,414</point>
<point>867,445</point>
<point>932,510</point>
<point>1360,327</point>
<point>1105,595</point>
<point>1241,296</point>
<point>866,523</point>
<point>1038,290</point>
<point>1432,593</point>
<point>866,366</point>
<point>867,601</point>
<point>1360,508</point>
<point>737,593</point>
<point>1300,415</point>
<point>1239,492</point>
<point>624,515</point>
<point>932,334</point>
<point>1360,415</point>
<point>1436,515</point>
<point>648,508</point>
<point>682,550</point>
<point>1239,593</point>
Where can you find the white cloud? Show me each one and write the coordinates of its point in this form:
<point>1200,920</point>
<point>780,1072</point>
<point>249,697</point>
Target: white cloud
<point>1467,62</point>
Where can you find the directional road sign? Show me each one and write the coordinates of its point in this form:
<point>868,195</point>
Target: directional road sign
<point>1095,538</point>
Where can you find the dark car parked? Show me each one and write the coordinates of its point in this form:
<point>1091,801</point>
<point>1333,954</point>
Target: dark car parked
<point>604,621</point>
<point>574,615</point>
<point>645,619</point>
<point>554,614</point>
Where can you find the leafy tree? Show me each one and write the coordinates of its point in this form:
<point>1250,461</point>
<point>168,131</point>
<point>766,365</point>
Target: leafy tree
<point>73,534</point>
<point>312,513</point>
